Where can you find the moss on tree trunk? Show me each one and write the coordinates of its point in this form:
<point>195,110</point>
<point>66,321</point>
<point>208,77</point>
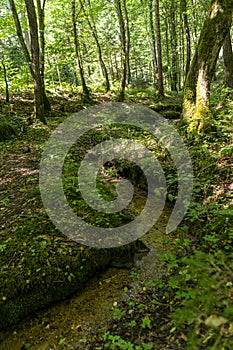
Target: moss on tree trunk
<point>196,109</point>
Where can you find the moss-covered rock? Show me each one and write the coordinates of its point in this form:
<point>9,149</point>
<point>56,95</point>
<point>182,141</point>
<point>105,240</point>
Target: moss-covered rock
<point>40,267</point>
<point>7,129</point>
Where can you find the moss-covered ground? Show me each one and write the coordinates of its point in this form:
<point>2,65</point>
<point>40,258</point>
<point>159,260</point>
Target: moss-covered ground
<point>191,307</point>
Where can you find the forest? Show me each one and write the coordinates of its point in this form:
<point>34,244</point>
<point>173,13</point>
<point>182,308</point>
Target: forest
<point>120,113</point>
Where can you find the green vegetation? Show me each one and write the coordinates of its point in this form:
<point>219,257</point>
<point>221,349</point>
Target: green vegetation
<point>175,57</point>
<point>7,129</point>
<point>197,293</point>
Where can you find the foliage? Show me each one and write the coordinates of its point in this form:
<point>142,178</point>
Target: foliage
<point>7,129</point>
<point>198,289</point>
<point>201,275</point>
<point>191,306</point>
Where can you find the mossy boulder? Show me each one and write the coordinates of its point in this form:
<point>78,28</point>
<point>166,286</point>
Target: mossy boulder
<point>40,267</point>
<point>7,129</point>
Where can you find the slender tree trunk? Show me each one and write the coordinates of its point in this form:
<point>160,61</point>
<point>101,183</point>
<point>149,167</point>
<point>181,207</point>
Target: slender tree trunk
<point>121,96</point>
<point>196,110</point>
<point>91,24</point>
<point>86,93</point>
<point>111,66</point>
<point>153,44</point>
<point>187,35</point>
<point>181,45</point>
<point>167,46</point>
<point>33,61</point>
<point>20,34</point>
<point>195,31</point>
<point>127,38</point>
<point>40,11</point>
<point>118,73</point>
<point>38,85</point>
<point>59,76</point>
<point>26,34</point>
<point>159,49</point>
<point>173,37</point>
<point>228,60</point>
<point>6,82</point>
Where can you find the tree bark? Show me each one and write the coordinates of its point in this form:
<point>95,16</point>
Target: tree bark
<point>187,35</point>
<point>127,38</point>
<point>40,11</point>
<point>38,85</point>
<point>86,93</point>
<point>167,47</point>
<point>174,56</point>
<point>32,60</point>
<point>153,44</point>
<point>228,60</point>
<point>121,96</point>
<point>196,109</point>
<point>6,82</point>
<point>159,50</point>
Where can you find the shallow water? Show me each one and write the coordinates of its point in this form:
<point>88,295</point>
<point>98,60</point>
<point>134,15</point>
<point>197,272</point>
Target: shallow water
<point>68,324</point>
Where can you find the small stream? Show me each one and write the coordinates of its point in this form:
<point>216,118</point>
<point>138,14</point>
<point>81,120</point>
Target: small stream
<point>67,324</point>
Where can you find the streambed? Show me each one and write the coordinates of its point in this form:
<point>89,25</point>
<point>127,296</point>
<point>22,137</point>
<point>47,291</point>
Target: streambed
<point>69,324</point>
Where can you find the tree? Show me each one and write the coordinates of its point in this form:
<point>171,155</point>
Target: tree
<point>159,49</point>
<point>153,43</point>
<point>174,55</point>
<point>92,26</point>
<point>121,96</point>
<point>127,38</point>
<point>6,81</point>
<point>183,4</point>
<point>41,16</point>
<point>228,60</point>
<point>35,52</point>
<point>196,109</point>
<point>86,93</point>
<point>124,40</point>
<point>33,60</point>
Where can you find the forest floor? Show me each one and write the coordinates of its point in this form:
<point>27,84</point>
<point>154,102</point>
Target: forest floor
<point>151,320</point>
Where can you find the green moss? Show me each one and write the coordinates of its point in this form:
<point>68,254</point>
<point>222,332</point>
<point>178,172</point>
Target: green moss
<point>202,120</point>
<point>188,106</point>
<point>47,268</point>
<point>7,130</point>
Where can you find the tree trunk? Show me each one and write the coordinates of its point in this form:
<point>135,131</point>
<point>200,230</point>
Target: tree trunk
<point>196,110</point>
<point>127,38</point>
<point>228,60</point>
<point>38,85</point>
<point>121,96</point>
<point>20,34</point>
<point>6,82</point>
<point>40,11</point>
<point>34,61</point>
<point>187,35</point>
<point>86,93</point>
<point>95,36</point>
<point>167,47</point>
<point>174,56</point>
<point>159,49</point>
<point>153,44</point>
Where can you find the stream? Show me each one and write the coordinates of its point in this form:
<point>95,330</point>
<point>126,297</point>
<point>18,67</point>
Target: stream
<point>69,323</point>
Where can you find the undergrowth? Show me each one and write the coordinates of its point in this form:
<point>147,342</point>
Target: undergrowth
<point>201,275</point>
<point>197,293</point>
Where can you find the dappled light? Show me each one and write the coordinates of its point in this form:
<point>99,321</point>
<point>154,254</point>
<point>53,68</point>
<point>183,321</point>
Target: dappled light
<point>116,192</point>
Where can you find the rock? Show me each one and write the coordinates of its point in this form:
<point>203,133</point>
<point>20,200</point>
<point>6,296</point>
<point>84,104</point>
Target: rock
<point>26,149</point>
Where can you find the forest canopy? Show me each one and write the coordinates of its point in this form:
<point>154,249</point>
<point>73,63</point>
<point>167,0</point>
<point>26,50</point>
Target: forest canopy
<point>81,44</point>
